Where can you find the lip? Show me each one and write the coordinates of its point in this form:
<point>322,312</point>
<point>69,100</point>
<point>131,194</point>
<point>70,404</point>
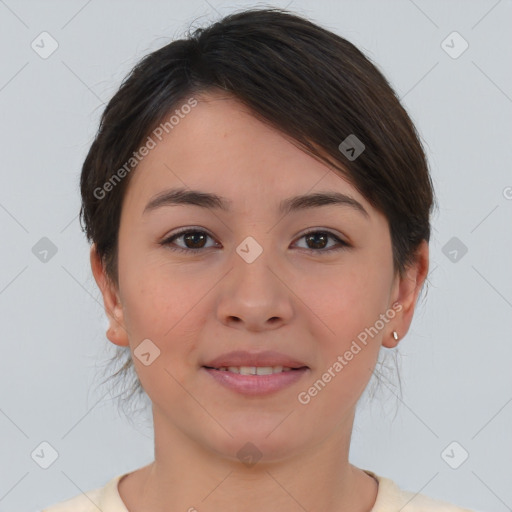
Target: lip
<point>246,358</point>
<point>256,384</point>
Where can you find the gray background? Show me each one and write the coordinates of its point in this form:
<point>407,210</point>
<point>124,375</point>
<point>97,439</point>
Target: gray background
<point>455,361</point>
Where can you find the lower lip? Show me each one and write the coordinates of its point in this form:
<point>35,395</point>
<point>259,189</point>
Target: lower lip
<point>256,384</point>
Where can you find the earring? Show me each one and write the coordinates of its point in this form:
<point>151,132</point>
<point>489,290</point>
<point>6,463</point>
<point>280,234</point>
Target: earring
<point>395,335</point>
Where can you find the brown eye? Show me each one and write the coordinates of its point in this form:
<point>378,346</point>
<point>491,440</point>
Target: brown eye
<point>317,241</point>
<point>196,239</point>
<point>193,239</point>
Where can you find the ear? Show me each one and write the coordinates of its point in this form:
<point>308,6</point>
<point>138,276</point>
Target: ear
<point>116,333</point>
<point>405,292</point>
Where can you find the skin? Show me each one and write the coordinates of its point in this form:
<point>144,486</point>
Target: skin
<point>193,307</point>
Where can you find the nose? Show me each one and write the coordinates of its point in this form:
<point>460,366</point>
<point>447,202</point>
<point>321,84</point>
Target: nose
<point>255,296</point>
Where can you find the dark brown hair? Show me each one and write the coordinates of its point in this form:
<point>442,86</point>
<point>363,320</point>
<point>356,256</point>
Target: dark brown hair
<point>306,81</point>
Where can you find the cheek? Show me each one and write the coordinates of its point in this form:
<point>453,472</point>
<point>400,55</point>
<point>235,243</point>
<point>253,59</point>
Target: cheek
<point>154,297</point>
<point>346,300</point>
<point>168,307</point>
<point>347,352</point>
<point>347,304</point>
<point>154,311</point>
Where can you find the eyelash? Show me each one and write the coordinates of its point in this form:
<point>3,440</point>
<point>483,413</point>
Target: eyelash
<point>168,241</point>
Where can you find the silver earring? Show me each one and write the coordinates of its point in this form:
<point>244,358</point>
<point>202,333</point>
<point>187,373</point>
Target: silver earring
<point>395,335</point>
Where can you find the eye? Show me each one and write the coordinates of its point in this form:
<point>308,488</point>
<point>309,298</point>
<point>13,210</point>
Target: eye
<point>318,237</point>
<point>195,239</point>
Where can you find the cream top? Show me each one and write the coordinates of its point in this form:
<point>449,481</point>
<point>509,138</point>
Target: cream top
<point>390,498</point>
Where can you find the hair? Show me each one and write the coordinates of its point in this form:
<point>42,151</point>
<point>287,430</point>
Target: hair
<point>314,86</point>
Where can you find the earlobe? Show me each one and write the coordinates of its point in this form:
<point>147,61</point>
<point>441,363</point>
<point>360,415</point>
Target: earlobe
<point>116,333</point>
<point>393,342</point>
<point>407,290</point>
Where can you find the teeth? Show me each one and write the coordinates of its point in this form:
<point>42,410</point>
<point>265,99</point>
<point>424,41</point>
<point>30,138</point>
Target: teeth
<point>266,370</point>
<point>254,370</point>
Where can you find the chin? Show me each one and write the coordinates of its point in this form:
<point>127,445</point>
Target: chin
<point>251,445</point>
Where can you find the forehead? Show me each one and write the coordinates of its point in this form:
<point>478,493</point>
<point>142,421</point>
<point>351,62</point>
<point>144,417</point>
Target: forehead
<point>219,146</point>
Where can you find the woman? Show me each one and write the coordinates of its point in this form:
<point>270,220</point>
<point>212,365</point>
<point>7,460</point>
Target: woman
<point>258,203</point>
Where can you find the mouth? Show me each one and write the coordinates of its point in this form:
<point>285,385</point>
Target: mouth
<point>254,363</point>
<point>255,373</point>
<point>255,380</point>
<point>255,370</point>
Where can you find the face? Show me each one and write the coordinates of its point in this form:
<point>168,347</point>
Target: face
<point>197,282</point>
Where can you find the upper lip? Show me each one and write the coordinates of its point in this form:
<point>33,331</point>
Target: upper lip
<point>244,358</point>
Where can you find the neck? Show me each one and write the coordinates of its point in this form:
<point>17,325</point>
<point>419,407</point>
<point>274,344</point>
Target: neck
<point>188,476</point>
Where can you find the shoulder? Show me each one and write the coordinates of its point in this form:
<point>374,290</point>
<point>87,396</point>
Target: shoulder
<point>391,498</point>
<point>106,499</point>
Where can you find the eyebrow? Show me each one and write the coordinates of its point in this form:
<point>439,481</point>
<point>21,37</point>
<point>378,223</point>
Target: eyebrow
<point>182,196</point>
